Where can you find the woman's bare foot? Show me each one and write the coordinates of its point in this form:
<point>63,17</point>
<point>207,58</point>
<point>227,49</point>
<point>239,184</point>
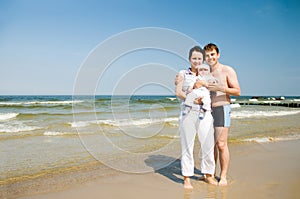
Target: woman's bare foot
<point>223,182</point>
<point>202,177</point>
<point>187,183</point>
<point>210,179</point>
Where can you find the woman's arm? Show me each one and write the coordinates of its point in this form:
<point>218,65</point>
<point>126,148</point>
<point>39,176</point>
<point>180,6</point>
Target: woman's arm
<point>179,83</point>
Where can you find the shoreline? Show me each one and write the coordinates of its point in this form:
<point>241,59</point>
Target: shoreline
<point>259,170</point>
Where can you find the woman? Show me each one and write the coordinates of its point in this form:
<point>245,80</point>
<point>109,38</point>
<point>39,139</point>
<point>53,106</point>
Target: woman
<point>190,125</point>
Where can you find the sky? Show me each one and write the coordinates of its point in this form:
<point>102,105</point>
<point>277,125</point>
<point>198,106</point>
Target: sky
<point>45,45</point>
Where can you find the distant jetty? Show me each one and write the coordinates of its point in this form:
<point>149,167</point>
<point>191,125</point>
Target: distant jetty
<point>270,101</point>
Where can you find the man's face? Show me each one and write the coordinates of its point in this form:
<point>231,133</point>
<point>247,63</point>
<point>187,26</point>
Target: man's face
<point>212,57</point>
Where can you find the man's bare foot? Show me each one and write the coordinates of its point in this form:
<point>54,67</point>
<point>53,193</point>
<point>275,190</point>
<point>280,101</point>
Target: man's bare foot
<point>223,182</point>
<point>211,180</point>
<point>187,183</point>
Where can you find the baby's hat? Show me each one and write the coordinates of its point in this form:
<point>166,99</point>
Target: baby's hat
<point>204,66</point>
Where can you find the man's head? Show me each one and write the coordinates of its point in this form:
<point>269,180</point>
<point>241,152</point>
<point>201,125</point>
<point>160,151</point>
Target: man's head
<point>211,47</point>
<point>212,54</point>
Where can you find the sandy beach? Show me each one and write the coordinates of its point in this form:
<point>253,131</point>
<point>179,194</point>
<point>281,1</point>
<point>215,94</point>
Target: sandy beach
<point>47,154</point>
<point>257,170</point>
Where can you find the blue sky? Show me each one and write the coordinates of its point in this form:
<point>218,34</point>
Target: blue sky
<point>43,43</point>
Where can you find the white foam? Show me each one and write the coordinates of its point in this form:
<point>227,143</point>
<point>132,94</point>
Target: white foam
<point>50,133</point>
<point>81,124</point>
<point>169,136</point>
<point>272,101</point>
<point>124,122</point>
<point>272,139</point>
<point>248,114</point>
<point>40,103</point>
<point>171,119</point>
<point>253,100</point>
<point>16,127</point>
<point>55,133</point>
<point>259,140</point>
<point>235,105</point>
<point>172,98</point>
<point>137,122</point>
<point>7,116</point>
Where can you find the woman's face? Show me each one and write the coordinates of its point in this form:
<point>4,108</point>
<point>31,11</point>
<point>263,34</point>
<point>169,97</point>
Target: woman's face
<point>196,59</point>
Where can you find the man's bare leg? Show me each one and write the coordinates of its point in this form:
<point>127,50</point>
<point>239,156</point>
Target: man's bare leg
<point>187,183</point>
<point>216,156</point>
<point>221,142</point>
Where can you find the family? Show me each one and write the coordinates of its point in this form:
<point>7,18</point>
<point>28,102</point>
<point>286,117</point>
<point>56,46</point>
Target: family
<point>205,111</point>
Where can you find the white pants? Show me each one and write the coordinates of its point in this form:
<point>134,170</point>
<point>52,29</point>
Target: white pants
<point>189,125</point>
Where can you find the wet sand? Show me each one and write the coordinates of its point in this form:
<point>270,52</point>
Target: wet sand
<point>257,170</point>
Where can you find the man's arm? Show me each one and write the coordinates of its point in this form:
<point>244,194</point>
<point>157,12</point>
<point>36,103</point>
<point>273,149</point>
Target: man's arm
<point>232,87</point>
<point>233,83</point>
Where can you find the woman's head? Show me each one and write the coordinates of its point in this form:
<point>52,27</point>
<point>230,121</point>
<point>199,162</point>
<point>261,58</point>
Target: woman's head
<point>196,56</point>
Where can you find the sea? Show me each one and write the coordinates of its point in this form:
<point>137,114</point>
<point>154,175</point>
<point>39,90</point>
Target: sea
<point>43,137</point>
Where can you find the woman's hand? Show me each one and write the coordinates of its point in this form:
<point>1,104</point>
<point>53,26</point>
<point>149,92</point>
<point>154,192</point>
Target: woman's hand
<point>200,83</point>
<point>198,101</point>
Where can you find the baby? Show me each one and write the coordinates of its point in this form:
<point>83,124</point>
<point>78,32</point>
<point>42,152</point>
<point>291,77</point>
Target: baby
<point>203,92</point>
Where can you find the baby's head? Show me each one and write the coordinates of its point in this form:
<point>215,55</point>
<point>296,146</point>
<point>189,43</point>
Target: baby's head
<point>203,70</point>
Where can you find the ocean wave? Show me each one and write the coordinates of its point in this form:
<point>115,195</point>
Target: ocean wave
<point>169,136</point>
<point>17,127</point>
<point>136,122</point>
<point>80,124</point>
<point>259,139</point>
<point>56,133</point>
<point>172,98</point>
<point>125,122</point>
<point>158,108</point>
<point>7,116</point>
<point>235,105</point>
<point>272,139</point>
<point>248,114</point>
<point>38,103</point>
<point>167,100</point>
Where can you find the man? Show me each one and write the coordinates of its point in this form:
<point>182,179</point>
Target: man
<point>220,95</point>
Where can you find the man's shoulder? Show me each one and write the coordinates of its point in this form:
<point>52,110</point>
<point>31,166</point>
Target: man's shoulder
<point>224,66</point>
<point>227,68</point>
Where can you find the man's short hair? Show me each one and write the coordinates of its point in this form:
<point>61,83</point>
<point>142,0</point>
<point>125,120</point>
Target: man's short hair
<point>211,47</point>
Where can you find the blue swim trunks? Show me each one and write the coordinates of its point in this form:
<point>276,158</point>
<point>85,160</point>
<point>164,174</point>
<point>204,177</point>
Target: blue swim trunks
<point>221,115</point>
